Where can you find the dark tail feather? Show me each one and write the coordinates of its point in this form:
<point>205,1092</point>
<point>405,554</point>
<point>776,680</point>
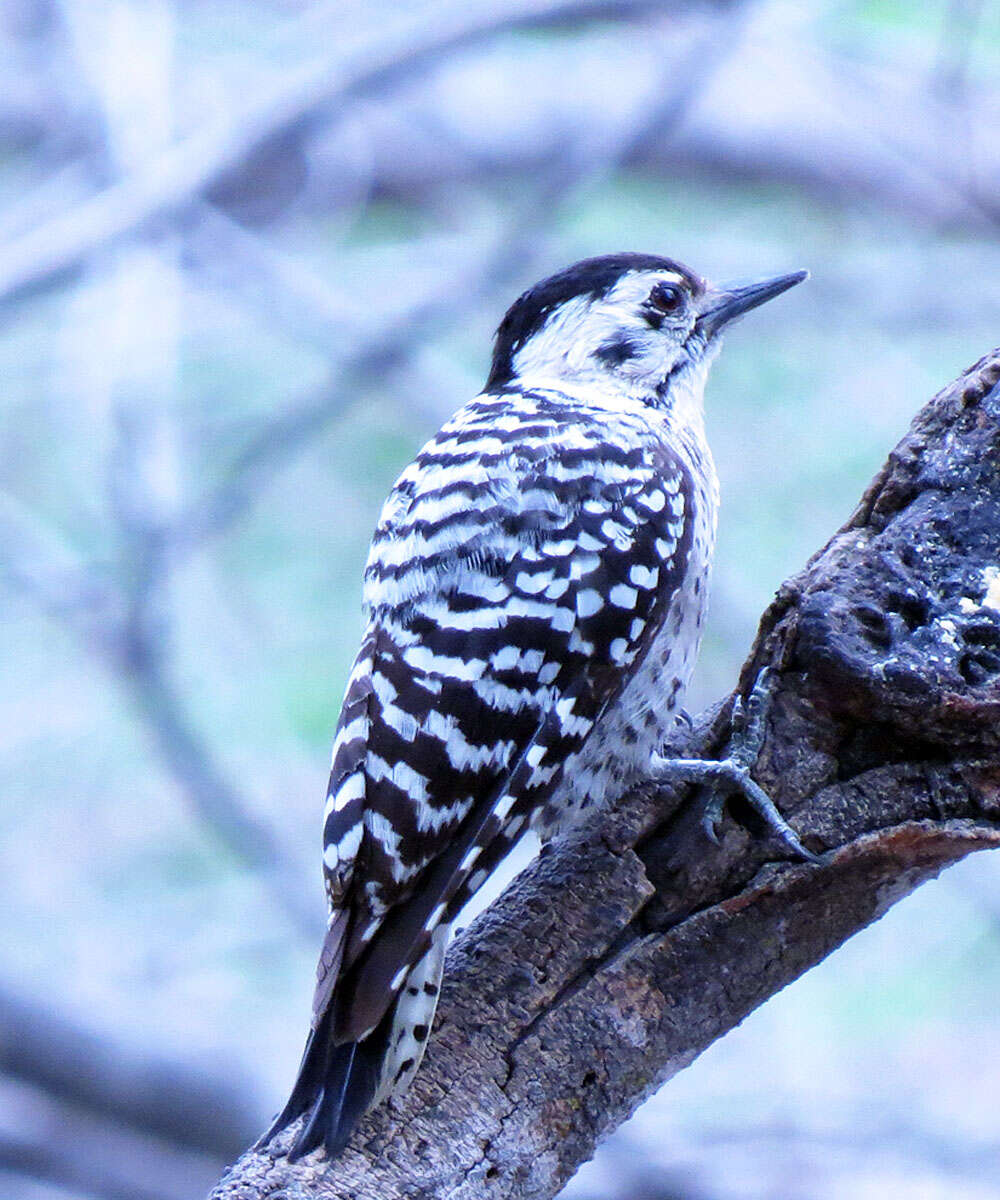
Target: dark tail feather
<point>335,1086</point>
<point>308,1082</point>
<point>324,1119</point>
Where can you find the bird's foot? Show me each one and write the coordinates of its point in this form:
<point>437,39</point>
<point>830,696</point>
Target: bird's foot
<point>731,774</point>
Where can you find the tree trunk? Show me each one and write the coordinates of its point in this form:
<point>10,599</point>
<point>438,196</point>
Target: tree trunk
<point>627,949</point>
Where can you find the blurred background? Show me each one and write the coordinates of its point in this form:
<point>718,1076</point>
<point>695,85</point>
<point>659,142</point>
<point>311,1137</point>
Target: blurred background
<point>252,253</point>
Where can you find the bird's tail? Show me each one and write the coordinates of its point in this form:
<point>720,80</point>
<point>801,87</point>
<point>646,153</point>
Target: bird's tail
<point>338,1082</point>
<point>335,1087</point>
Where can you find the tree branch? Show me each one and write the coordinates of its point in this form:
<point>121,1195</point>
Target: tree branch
<point>619,956</point>
<point>117,616</point>
<point>213,154</point>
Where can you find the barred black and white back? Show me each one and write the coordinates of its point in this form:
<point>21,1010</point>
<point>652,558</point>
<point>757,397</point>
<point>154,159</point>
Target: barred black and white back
<point>534,594</point>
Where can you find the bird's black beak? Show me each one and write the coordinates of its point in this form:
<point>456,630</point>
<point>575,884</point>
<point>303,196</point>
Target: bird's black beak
<point>723,304</point>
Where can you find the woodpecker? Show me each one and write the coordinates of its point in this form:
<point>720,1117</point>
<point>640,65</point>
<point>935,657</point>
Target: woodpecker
<point>534,599</point>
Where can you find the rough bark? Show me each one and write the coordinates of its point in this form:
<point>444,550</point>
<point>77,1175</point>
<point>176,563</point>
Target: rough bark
<point>624,951</point>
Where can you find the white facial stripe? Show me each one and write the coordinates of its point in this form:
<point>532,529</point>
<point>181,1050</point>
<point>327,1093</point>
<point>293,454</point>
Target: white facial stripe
<point>633,289</point>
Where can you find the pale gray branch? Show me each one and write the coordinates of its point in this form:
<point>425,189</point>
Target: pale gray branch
<point>192,166</point>
<point>116,616</point>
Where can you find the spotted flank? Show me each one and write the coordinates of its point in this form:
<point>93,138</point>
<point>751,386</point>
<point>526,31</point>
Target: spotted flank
<point>413,1015</point>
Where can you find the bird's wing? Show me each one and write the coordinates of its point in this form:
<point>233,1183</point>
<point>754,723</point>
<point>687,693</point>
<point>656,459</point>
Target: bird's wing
<point>510,602</point>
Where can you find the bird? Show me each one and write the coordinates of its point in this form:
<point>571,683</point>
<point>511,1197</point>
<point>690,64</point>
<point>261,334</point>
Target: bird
<point>534,600</point>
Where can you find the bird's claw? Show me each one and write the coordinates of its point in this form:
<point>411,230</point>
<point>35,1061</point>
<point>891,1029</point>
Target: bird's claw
<point>748,722</point>
<point>711,815</point>
<point>732,774</point>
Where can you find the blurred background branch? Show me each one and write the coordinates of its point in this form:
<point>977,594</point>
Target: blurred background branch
<point>166,1098</point>
<point>250,255</point>
<point>210,159</point>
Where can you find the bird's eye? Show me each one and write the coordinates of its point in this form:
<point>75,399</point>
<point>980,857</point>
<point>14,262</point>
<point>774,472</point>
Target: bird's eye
<point>666,297</point>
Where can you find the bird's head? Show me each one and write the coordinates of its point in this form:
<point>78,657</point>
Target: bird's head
<point>635,323</point>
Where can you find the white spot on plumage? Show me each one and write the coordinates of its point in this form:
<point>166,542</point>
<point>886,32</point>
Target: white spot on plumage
<point>644,577</point>
<point>474,583</point>
<point>381,830</point>
<point>344,851</point>
<point>589,602</point>
<point>504,698</point>
<point>505,659</point>
<point>580,645</point>
<point>432,817</point>
<point>560,548</point>
<point>623,596</point>
<point>515,825</point>
<point>465,620</point>
<point>511,658</point>
<point>572,725</point>
<point>619,535</point>
<point>422,658</point>
<point>520,606</point>
<point>533,584</point>
<point>583,564</point>
<point>467,756</point>
<point>359,671</point>
<point>401,774</point>
<point>545,775</point>
<point>470,857</point>
<point>404,723</point>
<point>428,683</point>
<point>352,788</point>
<point>562,619</point>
